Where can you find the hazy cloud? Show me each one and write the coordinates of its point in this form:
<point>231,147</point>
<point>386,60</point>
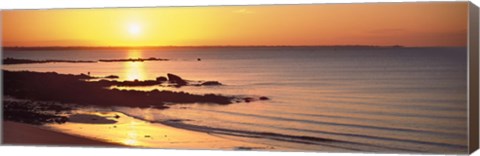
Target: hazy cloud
<point>387,30</point>
<point>243,11</point>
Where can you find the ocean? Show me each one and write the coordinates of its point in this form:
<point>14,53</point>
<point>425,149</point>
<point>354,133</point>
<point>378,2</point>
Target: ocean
<point>357,98</point>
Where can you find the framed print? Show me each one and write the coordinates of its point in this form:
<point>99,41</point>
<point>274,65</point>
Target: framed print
<point>366,77</point>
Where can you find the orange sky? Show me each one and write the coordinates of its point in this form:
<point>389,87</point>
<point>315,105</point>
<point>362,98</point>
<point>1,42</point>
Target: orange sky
<point>408,24</point>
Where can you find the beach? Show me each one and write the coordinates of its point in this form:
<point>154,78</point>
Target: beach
<point>127,132</point>
<point>15,133</point>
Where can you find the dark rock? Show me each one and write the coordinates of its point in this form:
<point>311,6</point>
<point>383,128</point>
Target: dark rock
<point>248,99</point>
<point>63,88</point>
<point>211,83</point>
<point>8,61</point>
<point>84,76</point>
<point>133,60</point>
<point>90,119</point>
<point>36,113</point>
<point>161,79</point>
<point>264,98</point>
<point>135,82</point>
<point>176,79</point>
<point>112,77</point>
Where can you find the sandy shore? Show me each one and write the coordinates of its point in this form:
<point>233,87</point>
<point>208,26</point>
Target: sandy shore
<point>138,133</point>
<point>92,129</point>
<point>24,134</point>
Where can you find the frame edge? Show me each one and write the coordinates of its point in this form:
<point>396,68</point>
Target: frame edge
<point>473,56</point>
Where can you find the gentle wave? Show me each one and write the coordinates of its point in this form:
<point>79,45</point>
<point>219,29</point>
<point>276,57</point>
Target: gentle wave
<point>327,141</point>
<point>427,132</point>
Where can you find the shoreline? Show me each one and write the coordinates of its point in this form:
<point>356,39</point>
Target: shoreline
<point>126,132</point>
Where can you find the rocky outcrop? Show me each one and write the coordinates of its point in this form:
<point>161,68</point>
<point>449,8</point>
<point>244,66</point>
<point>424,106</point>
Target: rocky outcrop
<point>177,80</point>
<point>161,79</point>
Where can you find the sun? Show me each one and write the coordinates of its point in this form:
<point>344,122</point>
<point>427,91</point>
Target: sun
<point>134,29</point>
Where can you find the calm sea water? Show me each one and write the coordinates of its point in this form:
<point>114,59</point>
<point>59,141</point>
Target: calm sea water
<point>367,99</point>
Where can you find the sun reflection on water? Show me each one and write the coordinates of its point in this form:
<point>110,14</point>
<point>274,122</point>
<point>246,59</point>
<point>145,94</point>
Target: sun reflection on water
<point>134,70</point>
<point>130,131</point>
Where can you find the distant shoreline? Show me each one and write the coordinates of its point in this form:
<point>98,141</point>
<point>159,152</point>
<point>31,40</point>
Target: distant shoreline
<point>14,61</point>
<point>334,47</point>
<point>189,47</point>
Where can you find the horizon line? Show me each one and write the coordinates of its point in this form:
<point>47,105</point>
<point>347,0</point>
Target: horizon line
<point>219,46</point>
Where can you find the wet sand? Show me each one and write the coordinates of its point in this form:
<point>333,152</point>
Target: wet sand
<point>15,133</point>
<point>138,133</point>
<point>125,131</point>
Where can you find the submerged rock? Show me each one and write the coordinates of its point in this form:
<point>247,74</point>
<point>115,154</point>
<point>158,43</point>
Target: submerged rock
<point>211,83</point>
<point>248,99</point>
<point>264,98</point>
<point>90,119</point>
<point>112,77</point>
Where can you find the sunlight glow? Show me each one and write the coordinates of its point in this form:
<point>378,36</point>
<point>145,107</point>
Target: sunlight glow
<point>134,70</point>
<point>134,29</point>
<point>131,138</point>
<point>130,142</point>
<point>132,134</point>
<point>409,24</point>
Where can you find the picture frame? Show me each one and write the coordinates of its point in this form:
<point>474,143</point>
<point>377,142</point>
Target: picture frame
<point>133,60</point>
